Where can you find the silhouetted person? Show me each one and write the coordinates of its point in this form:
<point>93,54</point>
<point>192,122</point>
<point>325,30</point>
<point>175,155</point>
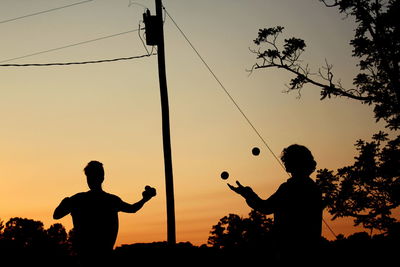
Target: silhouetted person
<point>296,205</point>
<point>95,216</point>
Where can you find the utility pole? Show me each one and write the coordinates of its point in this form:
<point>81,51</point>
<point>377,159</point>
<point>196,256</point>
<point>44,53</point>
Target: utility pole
<point>155,36</point>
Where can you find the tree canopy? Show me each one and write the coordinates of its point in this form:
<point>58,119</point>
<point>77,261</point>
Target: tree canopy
<point>368,190</point>
<point>376,45</point>
<point>233,231</point>
<point>26,242</point>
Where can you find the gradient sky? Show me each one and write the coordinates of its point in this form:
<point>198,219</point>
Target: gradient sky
<point>56,119</point>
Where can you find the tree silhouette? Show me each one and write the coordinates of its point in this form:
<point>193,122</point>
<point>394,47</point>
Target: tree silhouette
<point>369,189</point>
<point>376,44</point>
<point>25,242</point>
<point>57,234</point>
<point>1,234</point>
<point>233,231</point>
<point>24,233</point>
<point>57,244</point>
<point>1,227</point>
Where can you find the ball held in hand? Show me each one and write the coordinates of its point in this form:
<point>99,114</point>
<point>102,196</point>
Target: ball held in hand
<point>149,191</point>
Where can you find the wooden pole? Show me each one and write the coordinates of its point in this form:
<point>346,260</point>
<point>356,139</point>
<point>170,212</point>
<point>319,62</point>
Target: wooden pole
<point>169,184</point>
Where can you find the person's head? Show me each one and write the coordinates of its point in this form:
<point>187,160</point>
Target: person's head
<point>94,172</point>
<point>298,160</point>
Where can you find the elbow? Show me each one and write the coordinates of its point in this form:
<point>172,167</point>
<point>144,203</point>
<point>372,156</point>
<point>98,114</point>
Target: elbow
<point>56,216</point>
<point>133,210</point>
<point>261,209</point>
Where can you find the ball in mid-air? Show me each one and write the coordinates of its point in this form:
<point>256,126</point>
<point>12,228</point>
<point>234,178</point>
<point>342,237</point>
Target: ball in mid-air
<point>224,175</point>
<point>255,151</point>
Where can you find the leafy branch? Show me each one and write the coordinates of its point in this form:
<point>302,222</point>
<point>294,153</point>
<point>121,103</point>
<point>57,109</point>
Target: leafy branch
<point>270,55</point>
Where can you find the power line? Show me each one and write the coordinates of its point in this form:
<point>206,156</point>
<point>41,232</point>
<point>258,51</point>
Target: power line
<point>44,11</point>
<point>236,104</point>
<point>226,91</point>
<point>70,45</point>
<point>75,63</point>
<point>136,3</point>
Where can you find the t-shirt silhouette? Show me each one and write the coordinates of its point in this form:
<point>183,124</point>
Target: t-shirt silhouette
<point>297,208</point>
<point>95,219</point>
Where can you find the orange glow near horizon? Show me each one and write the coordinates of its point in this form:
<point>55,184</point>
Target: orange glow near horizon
<point>56,119</point>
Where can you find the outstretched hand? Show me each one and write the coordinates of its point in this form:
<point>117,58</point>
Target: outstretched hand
<point>149,192</point>
<point>244,191</point>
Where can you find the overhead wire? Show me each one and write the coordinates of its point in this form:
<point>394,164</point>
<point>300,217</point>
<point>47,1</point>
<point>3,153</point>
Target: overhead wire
<point>226,91</point>
<point>131,3</point>
<point>76,63</point>
<point>235,103</point>
<point>45,11</point>
<point>70,45</point>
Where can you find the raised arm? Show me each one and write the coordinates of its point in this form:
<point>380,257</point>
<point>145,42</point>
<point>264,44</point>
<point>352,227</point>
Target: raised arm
<point>253,200</point>
<point>147,194</point>
<point>63,209</point>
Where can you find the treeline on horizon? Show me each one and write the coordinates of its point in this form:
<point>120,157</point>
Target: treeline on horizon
<point>233,240</point>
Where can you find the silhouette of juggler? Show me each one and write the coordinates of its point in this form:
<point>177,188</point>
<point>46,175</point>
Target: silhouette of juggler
<point>296,205</point>
<point>95,216</point>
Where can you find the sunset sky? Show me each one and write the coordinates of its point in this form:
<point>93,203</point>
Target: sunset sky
<point>56,119</point>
